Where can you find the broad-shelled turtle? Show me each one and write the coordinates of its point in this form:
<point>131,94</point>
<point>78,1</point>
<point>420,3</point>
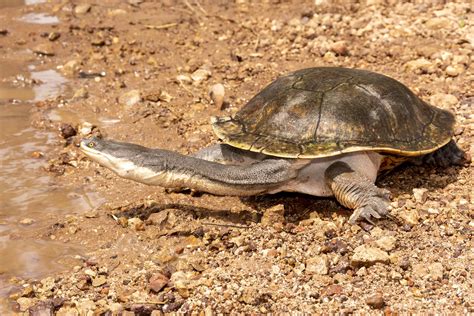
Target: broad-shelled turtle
<point>322,131</point>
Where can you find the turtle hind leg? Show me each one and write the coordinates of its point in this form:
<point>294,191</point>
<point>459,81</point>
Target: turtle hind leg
<point>449,154</point>
<point>355,191</point>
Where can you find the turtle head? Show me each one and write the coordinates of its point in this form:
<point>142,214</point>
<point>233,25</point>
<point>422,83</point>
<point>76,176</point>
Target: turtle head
<point>117,156</point>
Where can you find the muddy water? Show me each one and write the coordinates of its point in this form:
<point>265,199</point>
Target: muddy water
<point>29,196</point>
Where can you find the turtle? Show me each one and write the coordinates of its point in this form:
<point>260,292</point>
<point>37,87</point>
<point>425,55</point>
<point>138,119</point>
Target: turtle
<point>322,131</point>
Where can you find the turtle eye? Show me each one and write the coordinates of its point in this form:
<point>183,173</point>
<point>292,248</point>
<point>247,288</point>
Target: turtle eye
<point>91,145</point>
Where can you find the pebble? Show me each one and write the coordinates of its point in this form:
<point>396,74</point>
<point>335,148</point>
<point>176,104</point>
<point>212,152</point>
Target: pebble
<point>67,311</point>
<point>317,265</point>
<point>82,8</point>
<point>420,195</point>
<point>80,93</point>
<point>47,284</point>
<point>45,49</point>
<point>273,215</point>
<point>420,65</point>
<point>115,308</point>
<point>443,100</point>
<point>386,243</point>
<point>130,98</point>
<point>67,130</point>
<point>86,307</point>
<point>27,221</point>
<point>200,75</point>
<point>24,303</point>
<point>340,48</point>
<point>85,128</point>
<point>184,78</point>
<point>54,36</point>
<point>136,223</point>
<point>366,256</point>
<point>432,271</point>
<point>161,96</point>
<point>375,301</point>
<point>116,12</point>
<point>71,67</point>
<point>217,93</point>
<point>333,289</point>
<point>99,280</point>
<point>409,216</point>
<point>438,23</point>
<point>454,71</point>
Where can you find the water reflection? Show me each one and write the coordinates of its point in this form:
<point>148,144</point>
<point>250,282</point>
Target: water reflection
<point>17,3</point>
<point>39,18</point>
<point>26,191</point>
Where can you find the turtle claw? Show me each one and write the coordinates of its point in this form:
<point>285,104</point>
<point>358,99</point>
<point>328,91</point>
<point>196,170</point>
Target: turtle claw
<point>375,208</point>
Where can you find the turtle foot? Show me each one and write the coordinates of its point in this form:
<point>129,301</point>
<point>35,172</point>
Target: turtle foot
<point>374,207</point>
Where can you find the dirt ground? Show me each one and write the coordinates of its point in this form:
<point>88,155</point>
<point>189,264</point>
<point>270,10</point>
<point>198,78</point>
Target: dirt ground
<point>141,71</point>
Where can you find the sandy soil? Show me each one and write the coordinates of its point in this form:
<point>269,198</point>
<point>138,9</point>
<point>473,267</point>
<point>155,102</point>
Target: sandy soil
<point>141,71</point>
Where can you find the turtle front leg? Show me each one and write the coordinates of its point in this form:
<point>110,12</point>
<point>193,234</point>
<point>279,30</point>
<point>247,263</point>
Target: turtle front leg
<point>355,191</point>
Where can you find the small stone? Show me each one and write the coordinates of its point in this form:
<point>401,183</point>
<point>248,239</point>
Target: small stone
<point>116,12</point>
<point>54,36</point>
<point>3,32</point>
<point>375,301</point>
<point>71,67</point>
<point>366,256</point>
<point>80,93</point>
<point>43,308</point>
<point>200,75</point>
<point>420,65</point>
<point>37,154</point>
<point>454,71</point>
<point>438,23</point>
<point>99,280</point>
<point>165,96</point>
<point>443,100</point>
<point>420,195</point>
<point>135,3</point>
<point>217,93</point>
<point>27,221</point>
<point>184,79</point>
<point>94,213</point>
<point>25,303</point>
<point>67,130</point>
<point>115,308</point>
<point>85,128</point>
<point>250,296</point>
<point>136,223</point>
<point>333,289</point>
<point>47,284</point>
<point>409,216</point>
<point>436,271</point>
<point>274,215</point>
<point>86,307</point>
<point>340,48</point>
<point>45,49</point>
<point>317,265</point>
<point>82,8</point>
<point>386,243</point>
<point>130,98</point>
<point>90,272</point>
<point>425,271</point>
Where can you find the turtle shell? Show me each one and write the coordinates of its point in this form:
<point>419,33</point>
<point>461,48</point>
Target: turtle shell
<point>326,111</point>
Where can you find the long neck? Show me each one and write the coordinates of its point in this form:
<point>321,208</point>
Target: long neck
<point>173,170</point>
